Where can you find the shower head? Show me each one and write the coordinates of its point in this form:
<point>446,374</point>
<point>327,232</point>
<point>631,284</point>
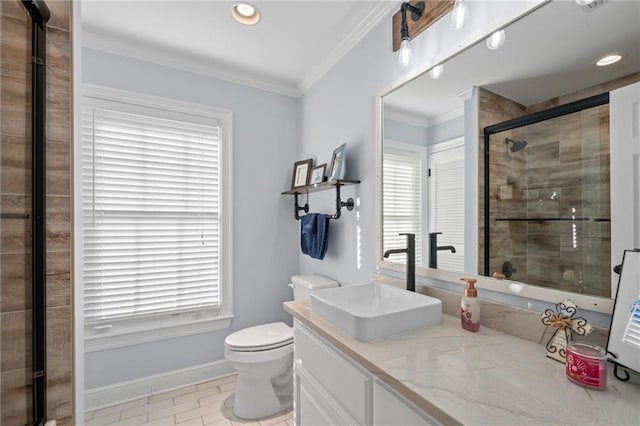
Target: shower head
<point>515,145</point>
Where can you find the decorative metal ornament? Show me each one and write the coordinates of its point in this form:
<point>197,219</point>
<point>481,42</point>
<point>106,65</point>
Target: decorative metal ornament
<point>565,322</point>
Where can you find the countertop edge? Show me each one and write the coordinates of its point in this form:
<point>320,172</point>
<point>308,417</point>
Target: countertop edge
<point>301,311</point>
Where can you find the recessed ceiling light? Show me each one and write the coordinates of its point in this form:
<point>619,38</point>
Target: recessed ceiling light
<point>245,13</point>
<point>608,60</point>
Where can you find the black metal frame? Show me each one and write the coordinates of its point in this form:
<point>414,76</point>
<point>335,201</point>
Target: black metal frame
<point>39,16</point>
<point>536,117</point>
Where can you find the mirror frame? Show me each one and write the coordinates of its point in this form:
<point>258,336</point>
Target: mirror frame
<point>507,287</point>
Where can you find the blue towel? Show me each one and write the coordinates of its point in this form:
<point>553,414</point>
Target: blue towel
<point>314,229</point>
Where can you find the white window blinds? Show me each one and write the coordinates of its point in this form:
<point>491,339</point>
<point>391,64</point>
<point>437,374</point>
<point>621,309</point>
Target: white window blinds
<point>403,185</point>
<point>151,203</point>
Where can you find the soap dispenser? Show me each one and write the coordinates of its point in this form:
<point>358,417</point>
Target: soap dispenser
<point>469,307</point>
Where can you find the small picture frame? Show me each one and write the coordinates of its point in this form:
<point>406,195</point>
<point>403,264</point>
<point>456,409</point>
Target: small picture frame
<point>301,173</point>
<point>317,174</point>
<point>338,165</point>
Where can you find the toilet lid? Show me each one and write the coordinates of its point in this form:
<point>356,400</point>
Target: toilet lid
<point>260,337</point>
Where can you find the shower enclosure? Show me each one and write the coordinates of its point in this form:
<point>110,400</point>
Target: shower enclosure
<point>22,213</point>
<point>547,204</point>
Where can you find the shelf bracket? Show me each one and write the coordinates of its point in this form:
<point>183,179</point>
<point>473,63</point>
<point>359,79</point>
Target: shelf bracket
<point>297,207</point>
<point>349,204</point>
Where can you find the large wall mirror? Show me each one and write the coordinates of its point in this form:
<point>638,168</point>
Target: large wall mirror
<point>552,213</point>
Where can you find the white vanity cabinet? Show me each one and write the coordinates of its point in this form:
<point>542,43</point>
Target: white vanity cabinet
<point>331,389</point>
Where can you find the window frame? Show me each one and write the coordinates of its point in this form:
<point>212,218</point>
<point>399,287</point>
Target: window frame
<point>154,327</point>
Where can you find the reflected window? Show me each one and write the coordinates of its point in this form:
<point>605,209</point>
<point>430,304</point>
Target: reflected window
<point>404,171</point>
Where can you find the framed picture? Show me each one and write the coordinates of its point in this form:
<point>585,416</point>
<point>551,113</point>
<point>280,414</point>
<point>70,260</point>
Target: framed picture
<point>338,166</point>
<point>301,173</point>
<point>317,174</point>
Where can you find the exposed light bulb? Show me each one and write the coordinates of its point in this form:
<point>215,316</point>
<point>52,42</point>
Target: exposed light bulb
<point>436,72</point>
<point>459,14</point>
<point>496,40</point>
<point>405,55</point>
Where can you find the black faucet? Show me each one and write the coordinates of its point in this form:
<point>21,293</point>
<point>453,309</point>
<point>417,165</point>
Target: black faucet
<point>433,249</point>
<point>411,259</point>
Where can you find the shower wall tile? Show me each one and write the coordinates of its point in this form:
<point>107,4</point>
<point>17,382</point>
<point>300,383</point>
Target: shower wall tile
<point>601,88</point>
<point>59,311</point>
<point>58,57</point>
<point>58,224</point>
<point>16,106</point>
<point>58,112</point>
<point>15,165</point>
<point>58,278</point>
<point>15,121</point>
<point>15,234</point>
<point>58,166</point>
<point>15,396</point>
<point>14,9</point>
<point>59,381</point>
<point>15,47</point>
<point>16,340</point>
<point>15,282</point>
<point>60,15</point>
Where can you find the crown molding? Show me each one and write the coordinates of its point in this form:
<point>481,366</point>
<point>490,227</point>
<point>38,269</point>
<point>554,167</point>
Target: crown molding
<point>380,11</point>
<point>458,112</point>
<point>160,56</point>
<point>406,117</point>
<point>163,57</point>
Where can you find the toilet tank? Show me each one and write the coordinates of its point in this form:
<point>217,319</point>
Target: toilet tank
<point>303,285</point>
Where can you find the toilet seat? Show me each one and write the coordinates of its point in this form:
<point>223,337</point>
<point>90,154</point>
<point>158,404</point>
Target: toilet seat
<point>260,338</point>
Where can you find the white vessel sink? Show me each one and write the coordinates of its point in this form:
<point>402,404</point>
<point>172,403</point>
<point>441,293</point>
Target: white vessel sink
<point>373,311</point>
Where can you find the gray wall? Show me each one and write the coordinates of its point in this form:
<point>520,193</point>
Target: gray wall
<point>405,132</point>
<point>265,234</point>
<point>341,108</point>
<point>447,130</point>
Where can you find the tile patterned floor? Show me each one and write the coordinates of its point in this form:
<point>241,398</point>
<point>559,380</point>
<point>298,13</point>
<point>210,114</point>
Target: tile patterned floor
<point>208,403</point>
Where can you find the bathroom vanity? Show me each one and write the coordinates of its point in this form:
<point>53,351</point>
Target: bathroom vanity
<point>441,375</point>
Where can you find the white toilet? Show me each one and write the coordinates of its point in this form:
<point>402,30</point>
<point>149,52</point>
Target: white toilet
<point>263,356</point>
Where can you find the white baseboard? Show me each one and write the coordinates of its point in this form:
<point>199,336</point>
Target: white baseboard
<point>150,385</point>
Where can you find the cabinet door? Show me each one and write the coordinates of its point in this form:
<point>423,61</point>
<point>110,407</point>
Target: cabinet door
<point>345,382</point>
<point>390,408</point>
<point>314,406</point>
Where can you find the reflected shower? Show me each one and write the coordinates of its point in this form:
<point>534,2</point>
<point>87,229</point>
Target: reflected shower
<point>515,145</point>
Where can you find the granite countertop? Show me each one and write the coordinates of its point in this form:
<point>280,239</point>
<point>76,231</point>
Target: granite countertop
<point>484,378</point>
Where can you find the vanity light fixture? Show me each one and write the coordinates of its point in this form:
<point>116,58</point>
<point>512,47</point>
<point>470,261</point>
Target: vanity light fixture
<point>608,60</point>
<point>459,14</point>
<point>436,72</point>
<point>245,13</point>
<point>406,55</point>
<point>496,40</point>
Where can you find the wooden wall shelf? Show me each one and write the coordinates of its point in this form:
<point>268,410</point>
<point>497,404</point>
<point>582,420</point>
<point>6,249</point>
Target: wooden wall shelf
<point>334,184</point>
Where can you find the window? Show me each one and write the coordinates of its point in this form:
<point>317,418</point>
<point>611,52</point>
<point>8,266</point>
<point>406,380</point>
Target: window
<point>403,196</point>
<point>155,204</point>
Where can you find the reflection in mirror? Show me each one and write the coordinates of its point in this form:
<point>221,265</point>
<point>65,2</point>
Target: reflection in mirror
<point>549,188</point>
<point>547,210</point>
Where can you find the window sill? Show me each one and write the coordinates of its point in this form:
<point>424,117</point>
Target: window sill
<point>151,329</point>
